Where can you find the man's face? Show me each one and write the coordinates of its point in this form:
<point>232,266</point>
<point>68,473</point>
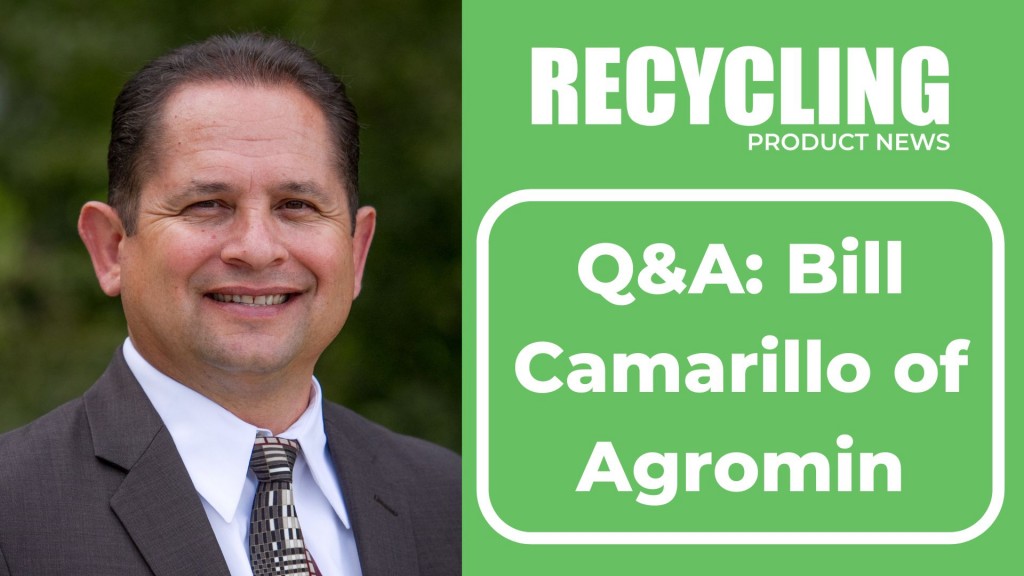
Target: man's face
<point>244,260</point>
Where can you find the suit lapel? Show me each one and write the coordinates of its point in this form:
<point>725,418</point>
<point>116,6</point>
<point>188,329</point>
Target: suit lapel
<point>156,502</point>
<point>377,507</point>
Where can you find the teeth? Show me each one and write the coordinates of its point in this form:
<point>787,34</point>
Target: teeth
<point>268,300</point>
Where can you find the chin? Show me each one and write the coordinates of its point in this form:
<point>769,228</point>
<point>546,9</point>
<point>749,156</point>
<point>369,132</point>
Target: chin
<point>256,361</point>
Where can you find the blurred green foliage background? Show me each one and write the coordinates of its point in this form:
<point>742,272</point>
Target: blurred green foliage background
<point>62,63</point>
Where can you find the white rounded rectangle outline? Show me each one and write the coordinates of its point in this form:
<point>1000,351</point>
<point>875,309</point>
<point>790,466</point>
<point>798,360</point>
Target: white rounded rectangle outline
<point>749,195</point>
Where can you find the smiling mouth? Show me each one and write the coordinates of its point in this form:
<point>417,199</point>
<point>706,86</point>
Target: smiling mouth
<point>267,300</point>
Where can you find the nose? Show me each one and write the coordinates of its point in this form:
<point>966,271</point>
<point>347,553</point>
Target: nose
<point>254,241</point>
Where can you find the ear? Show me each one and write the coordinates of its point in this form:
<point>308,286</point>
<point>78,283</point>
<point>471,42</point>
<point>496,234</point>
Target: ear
<point>366,222</point>
<point>101,231</point>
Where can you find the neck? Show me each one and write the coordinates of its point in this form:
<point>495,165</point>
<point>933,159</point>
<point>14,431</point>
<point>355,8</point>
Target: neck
<point>274,407</point>
<point>272,400</point>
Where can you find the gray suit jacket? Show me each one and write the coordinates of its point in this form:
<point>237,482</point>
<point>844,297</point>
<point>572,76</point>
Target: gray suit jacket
<point>97,487</point>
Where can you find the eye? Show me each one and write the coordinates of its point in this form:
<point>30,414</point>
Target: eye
<point>296,205</point>
<point>203,205</point>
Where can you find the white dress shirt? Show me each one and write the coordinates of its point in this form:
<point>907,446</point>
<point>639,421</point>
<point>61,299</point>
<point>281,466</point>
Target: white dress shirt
<point>215,446</point>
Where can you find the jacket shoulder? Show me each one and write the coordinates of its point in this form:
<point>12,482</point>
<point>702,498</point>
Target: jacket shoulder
<point>392,450</point>
<point>48,442</point>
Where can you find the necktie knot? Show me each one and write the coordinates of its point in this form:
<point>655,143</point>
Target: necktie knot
<point>273,459</point>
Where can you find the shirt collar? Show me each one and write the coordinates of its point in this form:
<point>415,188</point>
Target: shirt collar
<point>215,445</point>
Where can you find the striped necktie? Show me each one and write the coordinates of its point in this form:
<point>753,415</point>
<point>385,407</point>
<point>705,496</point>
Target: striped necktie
<point>276,546</point>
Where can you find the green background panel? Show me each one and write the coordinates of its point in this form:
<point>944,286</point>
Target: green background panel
<point>540,443</point>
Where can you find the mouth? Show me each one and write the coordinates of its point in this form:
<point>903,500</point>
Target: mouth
<point>250,300</point>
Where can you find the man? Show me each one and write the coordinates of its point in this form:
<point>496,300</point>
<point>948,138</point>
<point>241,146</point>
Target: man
<point>234,239</point>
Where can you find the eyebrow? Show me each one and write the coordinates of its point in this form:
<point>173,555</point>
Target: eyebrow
<point>201,188</point>
<point>197,189</point>
<point>307,189</point>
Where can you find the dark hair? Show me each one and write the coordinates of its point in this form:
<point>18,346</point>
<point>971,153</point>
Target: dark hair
<point>250,60</point>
